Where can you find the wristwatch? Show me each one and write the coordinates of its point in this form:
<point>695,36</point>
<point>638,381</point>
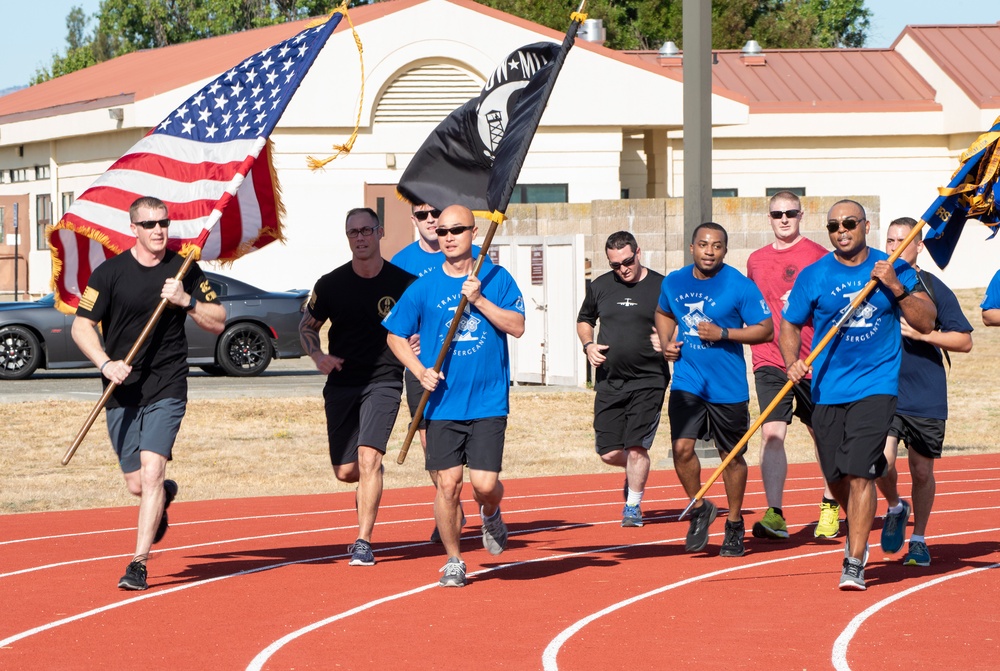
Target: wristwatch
<point>586,345</point>
<point>190,306</point>
<point>725,334</point>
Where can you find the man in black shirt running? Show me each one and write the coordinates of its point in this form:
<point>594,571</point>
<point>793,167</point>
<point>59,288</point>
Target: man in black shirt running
<point>364,379</point>
<point>631,374</point>
<point>145,410</point>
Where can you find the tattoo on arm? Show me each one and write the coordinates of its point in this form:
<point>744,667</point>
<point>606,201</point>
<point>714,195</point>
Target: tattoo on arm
<point>309,334</point>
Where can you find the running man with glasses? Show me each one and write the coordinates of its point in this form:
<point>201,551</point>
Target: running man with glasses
<point>773,268</point>
<point>714,310</point>
<point>631,375</point>
<point>364,379</point>
<point>855,377</point>
<point>419,258</point>
<point>145,410</point>
<point>468,407</point>
<point>922,408</point>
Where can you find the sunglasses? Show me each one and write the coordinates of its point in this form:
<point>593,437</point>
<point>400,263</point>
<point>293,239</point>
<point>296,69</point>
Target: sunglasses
<point>791,214</point>
<point>152,223</point>
<point>849,223</point>
<point>615,265</point>
<point>421,215</point>
<point>454,230</point>
<point>366,231</point>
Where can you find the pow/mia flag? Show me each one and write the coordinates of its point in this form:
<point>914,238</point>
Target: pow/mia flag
<point>475,154</point>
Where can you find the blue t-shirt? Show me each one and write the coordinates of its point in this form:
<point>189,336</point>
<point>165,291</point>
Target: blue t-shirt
<point>417,261</point>
<point>477,368</point>
<point>923,382</point>
<point>991,300</point>
<point>863,358</point>
<point>713,371</point>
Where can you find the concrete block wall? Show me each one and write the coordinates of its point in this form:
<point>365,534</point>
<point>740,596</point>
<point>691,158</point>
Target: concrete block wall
<point>658,225</point>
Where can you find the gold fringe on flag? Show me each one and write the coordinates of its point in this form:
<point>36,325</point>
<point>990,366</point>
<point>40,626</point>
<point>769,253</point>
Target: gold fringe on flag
<point>340,149</point>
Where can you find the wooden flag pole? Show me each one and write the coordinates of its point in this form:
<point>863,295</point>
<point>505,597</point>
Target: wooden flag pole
<point>150,325</point>
<point>497,219</point>
<point>858,300</point>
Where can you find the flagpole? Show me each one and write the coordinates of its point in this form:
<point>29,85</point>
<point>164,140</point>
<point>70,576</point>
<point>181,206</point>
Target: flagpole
<point>858,300</point>
<point>497,215</point>
<point>112,385</point>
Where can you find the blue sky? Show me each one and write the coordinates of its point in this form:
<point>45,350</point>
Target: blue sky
<point>35,29</point>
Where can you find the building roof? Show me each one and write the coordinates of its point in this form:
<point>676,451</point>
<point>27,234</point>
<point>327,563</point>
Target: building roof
<point>817,80</point>
<point>968,54</point>
<point>144,74</point>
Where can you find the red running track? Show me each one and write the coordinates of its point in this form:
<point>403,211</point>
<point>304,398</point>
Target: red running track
<point>264,584</point>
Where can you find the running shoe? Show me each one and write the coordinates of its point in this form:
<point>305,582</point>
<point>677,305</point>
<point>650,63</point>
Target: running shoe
<point>894,528</point>
<point>853,576</point>
<point>494,532</point>
<point>917,554</point>
<point>701,518</point>
<point>170,489</point>
<point>361,553</point>
<point>829,521</point>
<point>454,573</point>
<point>436,535</point>
<point>134,578</point>
<point>631,516</point>
<point>772,525</point>
<point>847,552</point>
<point>732,544</point>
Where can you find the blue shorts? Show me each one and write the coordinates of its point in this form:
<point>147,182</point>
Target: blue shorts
<point>151,428</point>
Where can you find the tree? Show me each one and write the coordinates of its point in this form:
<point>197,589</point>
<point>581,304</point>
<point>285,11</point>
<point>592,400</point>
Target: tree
<point>646,24</point>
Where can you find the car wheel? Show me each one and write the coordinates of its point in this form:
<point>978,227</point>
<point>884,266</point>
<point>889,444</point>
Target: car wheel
<point>20,353</point>
<point>244,350</point>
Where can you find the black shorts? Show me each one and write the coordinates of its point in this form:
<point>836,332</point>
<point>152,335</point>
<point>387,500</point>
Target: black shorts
<point>923,435</point>
<point>359,416</point>
<point>626,418</point>
<point>693,417</point>
<point>414,390</point>
<point>476,442</point>
<point>144,428</point>
<point>851,436</point>
<point>769,381</point>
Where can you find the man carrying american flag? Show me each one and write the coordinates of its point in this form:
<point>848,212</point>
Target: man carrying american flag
<point>145,410</point>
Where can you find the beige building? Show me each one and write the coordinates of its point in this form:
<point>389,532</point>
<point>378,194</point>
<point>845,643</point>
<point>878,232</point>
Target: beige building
<point>885,124</point>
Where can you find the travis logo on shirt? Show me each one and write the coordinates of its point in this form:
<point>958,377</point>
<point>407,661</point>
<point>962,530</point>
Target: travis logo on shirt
<point>695,315</point>
<point>860,322</point>
<point>469,338</point>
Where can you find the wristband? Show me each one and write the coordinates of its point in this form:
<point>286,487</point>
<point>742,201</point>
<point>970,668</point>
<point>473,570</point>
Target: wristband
<point>190,306</point>
<point>586,345</point>
<point>900,297</point>
<point>725,334</point>
<point>104,364</point>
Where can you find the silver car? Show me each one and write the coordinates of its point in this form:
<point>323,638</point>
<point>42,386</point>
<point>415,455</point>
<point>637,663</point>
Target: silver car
<point>260,326</point>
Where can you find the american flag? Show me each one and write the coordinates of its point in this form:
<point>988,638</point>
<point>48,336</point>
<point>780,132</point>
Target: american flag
<point>209,161</point>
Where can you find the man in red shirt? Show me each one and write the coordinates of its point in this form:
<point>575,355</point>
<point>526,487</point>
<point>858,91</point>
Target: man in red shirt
<point>773,268</point>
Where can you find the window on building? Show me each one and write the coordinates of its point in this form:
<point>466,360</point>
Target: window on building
<point>799,191</point>
<point>4,176</point>
<point>43,214</point>
<point>1,224</point>
<point>67,200</point>
<point>19,175</point>
<point>540,193</point>
<point>624,194</point>
<point>41,172</point>
<point>725,193</point>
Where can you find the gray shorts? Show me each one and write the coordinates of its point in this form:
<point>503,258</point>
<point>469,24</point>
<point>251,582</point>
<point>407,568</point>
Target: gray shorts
<point>151,428</point>
<point>360,416</point>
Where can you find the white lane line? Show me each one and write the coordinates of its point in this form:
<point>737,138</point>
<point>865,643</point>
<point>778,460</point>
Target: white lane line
<point>551,651</point>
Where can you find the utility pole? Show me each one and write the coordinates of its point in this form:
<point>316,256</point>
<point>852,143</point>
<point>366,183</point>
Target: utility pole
<point>697,25</point>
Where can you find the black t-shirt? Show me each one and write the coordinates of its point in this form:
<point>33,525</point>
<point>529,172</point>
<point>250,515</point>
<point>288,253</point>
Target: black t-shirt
<point>122,295</point>
<point>626,312</point>
<point>356,307</point>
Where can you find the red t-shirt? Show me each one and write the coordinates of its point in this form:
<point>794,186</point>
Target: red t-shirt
<point>774,272</point>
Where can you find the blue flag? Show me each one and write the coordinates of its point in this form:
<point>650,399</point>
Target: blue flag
<point>971,194</point>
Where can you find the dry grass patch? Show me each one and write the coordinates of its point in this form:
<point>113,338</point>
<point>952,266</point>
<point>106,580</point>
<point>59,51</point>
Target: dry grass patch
<point>278,447</point>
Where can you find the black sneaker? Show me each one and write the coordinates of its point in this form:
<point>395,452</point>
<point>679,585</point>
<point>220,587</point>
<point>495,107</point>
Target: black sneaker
<point>134,578</point>
<point>170,493</point>
<point>732,544</point>
<point>701,518</point>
